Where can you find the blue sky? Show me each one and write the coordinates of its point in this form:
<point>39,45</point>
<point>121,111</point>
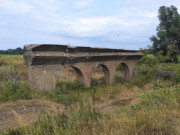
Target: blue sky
<point>126,24</point>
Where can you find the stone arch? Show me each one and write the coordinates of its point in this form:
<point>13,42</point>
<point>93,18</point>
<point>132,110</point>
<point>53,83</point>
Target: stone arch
<point>126,70</point>
<point>81,78</point>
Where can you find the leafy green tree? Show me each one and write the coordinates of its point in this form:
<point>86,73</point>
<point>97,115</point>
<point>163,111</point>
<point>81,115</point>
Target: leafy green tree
<point>168,30</point>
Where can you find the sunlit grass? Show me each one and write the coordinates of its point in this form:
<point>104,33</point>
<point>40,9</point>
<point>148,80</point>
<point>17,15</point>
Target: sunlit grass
<point>12,58</point>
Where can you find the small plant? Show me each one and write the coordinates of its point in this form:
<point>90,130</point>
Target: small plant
<point>69,85</point>
<point>97,82</point>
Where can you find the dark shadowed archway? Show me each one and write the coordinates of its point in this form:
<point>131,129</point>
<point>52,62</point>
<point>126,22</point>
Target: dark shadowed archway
<point>122,72</point>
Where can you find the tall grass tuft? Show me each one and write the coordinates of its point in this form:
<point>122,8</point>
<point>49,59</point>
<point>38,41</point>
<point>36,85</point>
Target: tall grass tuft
<point>14,90</point>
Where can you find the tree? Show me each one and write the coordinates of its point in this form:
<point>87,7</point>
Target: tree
<point>168,30</point>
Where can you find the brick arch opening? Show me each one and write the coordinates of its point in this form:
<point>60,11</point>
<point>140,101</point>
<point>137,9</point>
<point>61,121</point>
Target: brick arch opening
<point>122,72</point>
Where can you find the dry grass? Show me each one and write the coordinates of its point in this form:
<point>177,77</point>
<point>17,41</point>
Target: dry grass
<point>144,122</point>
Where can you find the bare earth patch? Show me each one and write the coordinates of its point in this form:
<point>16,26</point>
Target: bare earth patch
<point>24,112</point>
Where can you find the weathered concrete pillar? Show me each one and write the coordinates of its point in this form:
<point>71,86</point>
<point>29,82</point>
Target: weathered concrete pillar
<point>131,64</point>
<point>41,77</point>
<point>106,71</point>
<point>109,69</point>
<point>84,73</point>
<point>128,67</point>
<point>80,75</point>
<point>126,71</point>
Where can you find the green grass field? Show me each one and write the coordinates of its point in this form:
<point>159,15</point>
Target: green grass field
<point>12,58</point>
<point>143,105</point>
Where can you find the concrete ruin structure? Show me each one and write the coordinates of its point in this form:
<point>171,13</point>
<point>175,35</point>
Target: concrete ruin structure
<point>45,61</point>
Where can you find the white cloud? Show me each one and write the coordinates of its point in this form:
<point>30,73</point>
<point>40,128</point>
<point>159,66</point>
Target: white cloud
<point>31,6</point>
<point>20,6</point>
<point>97,26</point>
<point>131,19</point>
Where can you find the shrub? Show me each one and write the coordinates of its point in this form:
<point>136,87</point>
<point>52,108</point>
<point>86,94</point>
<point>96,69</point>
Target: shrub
<point>162,58</point>
<point>149,60</point>
<point>8,73</point>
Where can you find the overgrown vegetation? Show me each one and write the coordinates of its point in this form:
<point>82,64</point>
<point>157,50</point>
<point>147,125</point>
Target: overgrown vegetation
<point>156,113</point>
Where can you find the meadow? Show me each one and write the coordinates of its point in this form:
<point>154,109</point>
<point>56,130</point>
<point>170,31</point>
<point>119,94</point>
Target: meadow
<point>144,105</point>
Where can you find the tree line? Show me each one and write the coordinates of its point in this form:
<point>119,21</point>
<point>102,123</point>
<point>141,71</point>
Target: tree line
<point>16,51</point>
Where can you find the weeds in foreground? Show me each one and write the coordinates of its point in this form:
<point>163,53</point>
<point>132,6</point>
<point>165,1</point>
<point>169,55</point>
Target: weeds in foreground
<point>72,122</point>
<point>158,113</point>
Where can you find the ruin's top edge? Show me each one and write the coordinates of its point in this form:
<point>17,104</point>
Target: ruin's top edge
<point>65,48</point>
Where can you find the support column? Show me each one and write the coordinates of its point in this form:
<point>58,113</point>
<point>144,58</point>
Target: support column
<point>84,73</point>
<point>109,69</point>
<point>41,78</point>
<point>130,67</point>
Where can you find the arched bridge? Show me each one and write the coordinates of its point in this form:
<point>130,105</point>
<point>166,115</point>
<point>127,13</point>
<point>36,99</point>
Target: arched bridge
<point>44,63</point>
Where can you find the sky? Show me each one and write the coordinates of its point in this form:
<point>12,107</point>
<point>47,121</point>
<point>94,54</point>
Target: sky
<point>125,24</point>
